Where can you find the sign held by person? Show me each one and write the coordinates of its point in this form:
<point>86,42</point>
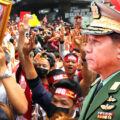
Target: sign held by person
<point>5,8</point>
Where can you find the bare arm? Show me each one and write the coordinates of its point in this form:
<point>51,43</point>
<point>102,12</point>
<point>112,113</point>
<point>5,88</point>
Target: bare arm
<point>15,94</point>
<point>24,49</point>
<point>87,76</point>
<point>62,50</point>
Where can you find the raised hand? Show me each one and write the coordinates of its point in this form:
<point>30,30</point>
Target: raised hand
<point>28,45</point>
<point>24,26</point>
<point>22,29</point>
<point>26,19</point>
<point>62,34</point>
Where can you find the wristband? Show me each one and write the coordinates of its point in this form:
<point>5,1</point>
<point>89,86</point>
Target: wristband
<point>6,74</point>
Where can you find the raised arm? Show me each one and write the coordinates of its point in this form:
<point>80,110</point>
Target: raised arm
<point>87,76</point>
<point>24,48</point>
<point>62,50</point>
<point>40,94</point>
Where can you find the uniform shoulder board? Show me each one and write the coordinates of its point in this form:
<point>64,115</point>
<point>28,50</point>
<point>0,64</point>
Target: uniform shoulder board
<point>95,82</point>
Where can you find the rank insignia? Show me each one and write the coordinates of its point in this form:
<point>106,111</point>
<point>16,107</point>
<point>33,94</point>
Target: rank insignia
<point>111,99</point>
<point>107,107</point>
<point>115,86</point>
<point>105,115</point>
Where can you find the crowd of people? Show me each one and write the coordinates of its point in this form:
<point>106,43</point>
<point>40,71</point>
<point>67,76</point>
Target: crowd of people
<point>53,71</point>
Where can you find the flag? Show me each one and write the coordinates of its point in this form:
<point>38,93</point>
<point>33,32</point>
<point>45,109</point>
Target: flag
<point>22,13</point>
<point>45,20</point>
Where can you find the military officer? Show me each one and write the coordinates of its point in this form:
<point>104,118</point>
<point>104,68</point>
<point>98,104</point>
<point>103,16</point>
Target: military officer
<point>103,57</point>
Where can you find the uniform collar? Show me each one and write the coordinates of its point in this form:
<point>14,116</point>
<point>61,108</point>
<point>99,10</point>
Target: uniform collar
<point>109,78</point>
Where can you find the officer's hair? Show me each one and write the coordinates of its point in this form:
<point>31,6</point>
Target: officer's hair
<point>115,37</point>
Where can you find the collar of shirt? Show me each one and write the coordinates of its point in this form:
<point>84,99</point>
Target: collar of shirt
<point>107,79</point>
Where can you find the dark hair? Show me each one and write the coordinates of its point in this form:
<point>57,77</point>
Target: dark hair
<point>71,85</point>
<point>71,54</point>
<point>67,27</point>
<point>55,72</point>
<point>50,58</point>
<point>77,50</point>
<point>41,29</point>
<point>11,40</point>
<point>115,37</point>
<point>36,51</point>
<point>36,41</point>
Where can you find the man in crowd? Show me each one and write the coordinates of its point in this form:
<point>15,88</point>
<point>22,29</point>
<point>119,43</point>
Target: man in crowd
<point>71,63</point>
<point>103,57</point>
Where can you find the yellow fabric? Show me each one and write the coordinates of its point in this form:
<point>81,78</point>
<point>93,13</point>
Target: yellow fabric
<point>34,22</point>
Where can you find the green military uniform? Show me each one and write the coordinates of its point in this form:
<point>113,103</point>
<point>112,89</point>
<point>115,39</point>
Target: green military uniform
<point>106,104</point>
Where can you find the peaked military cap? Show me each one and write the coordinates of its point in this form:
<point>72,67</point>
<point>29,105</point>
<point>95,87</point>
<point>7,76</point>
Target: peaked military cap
<point>106,20</point>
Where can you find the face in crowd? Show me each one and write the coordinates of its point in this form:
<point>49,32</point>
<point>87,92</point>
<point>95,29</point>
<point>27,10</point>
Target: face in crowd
<point>65,97</point>
<point>43,67</point>
<point>70,63</point>
<point>43,64</point>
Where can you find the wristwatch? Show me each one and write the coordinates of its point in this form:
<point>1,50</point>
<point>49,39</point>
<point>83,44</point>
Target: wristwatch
<point>6,74</point>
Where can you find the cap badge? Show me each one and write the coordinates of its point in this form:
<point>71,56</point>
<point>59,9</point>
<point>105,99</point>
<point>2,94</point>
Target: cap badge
<point>95,10</point>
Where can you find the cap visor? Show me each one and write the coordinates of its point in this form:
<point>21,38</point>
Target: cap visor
<point>94,30</point>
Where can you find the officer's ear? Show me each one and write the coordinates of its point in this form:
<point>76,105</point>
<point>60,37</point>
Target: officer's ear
<point>118,51</point>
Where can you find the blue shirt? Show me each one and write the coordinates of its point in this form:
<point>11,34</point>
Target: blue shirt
<point>40,95</point>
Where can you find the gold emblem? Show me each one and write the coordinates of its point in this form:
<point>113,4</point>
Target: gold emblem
<point>107,107</point>
<point>95,10</point>
<point>111,99</point>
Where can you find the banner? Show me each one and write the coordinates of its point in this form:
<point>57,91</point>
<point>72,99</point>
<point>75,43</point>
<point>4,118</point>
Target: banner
<point>45,20</point>
<point>22,13</point>
<point>5,9</point>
